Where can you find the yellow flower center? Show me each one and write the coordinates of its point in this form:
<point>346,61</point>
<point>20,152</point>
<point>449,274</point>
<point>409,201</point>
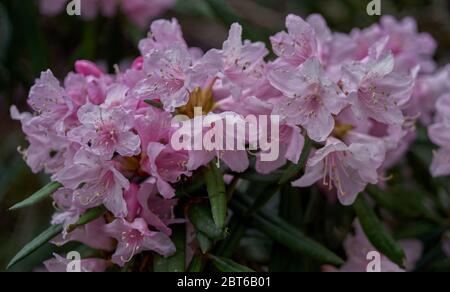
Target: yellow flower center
<point>341,130</point>
<point>199,98</point>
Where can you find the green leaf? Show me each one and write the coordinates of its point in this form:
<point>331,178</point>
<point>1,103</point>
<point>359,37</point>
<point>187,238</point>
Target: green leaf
<point>177,262</point>
<point>417,229</point>
<point>201,218</point>
<point>205,242</point>
<point>409,203</point>
<point>217,195</point>
<point>154,103</point>
<point>53,231</point>
<point>196,265</point>
<point>88,217</point>
<point>287,235</point>
<point>31,247</point>
<point>294,169</point>
<point>37,197</point>
<point>376,232</point>
<point>229,266</point>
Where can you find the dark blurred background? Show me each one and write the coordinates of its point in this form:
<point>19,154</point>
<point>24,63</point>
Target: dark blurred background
<point>31,43</point>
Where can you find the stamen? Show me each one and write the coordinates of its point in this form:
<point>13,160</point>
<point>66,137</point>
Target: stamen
<point>133,252</point>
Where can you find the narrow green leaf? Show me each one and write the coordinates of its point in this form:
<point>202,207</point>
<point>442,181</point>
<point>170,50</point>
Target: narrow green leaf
<point>409,203</point>
<point>177,262</point>
<point>229,266</point>
<point>196,265</point>
<point>31,247</point>
<point>289,236</point>
<point>37,197</point>
<point>294,169</point>
<point>376,232</point>
<point>217,195</point>
<point>201,218</point>
<point>53,231</point>
<point>154,103</point>
<point>205,242</point>
<point>88,217</point>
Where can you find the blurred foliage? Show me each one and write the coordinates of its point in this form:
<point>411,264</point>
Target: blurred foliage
<point>30,43</point>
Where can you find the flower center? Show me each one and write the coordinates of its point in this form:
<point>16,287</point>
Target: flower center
<point>107,134</point>
<point>202,98</point>
<point>132,237</point>
<point>341,130</point>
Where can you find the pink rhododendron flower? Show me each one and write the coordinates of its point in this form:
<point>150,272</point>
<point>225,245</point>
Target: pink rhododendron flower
<point>296,45</point>
<point>290,138</point>
<point>291,143</point>
<point>163,34</point>
<point>429,89</point>
<point>166,166</point>
<point>50,101</point>
<point>349,168</point>
<point>377,92</point>
<point>173,75</point>
<point>310,98</point>
<point>105,131</point>
<point>157,211</point>
<point>243,62</point>
<point>134,238</point>
<point>94,183</point>
<point>218,136</point>
<point>47,148</point>
<point>409,47</point>
<point>68,211</point>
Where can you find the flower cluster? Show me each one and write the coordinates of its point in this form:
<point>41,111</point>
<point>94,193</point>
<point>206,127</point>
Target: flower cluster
<point>106,138</point>
<point>139,11</point>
